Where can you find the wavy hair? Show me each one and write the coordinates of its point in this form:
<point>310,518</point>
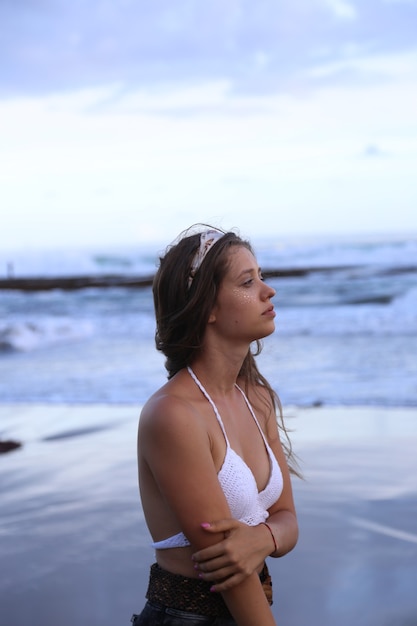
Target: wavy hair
<point>182,311</point>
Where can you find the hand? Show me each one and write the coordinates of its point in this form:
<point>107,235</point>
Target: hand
<point>239,554</point>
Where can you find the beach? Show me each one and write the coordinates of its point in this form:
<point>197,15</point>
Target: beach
<point>77,362</point>
<point>75,549</point>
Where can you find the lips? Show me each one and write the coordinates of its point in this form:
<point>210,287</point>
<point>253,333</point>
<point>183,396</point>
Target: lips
<point>269,311</point>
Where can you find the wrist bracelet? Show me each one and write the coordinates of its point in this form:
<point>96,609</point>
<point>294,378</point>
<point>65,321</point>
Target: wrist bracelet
<point>272,535</point>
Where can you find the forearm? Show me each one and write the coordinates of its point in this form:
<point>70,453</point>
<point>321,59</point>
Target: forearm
<point>247,603</point>
<point>244,548</point>
<point>281,533</point>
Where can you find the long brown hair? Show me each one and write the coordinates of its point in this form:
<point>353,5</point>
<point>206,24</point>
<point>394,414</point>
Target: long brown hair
<point>182,311</point>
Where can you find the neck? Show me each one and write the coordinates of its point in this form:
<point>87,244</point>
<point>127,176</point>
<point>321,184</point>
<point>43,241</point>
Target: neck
<point>219,371</point>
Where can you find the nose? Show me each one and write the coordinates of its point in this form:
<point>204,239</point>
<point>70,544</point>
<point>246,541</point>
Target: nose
<point>268,292</point>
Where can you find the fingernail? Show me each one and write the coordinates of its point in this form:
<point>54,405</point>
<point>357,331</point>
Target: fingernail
<point>213,589</point>
<point>205,525</point>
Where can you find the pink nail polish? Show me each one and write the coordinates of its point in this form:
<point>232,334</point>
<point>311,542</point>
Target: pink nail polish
<point>205,525</point>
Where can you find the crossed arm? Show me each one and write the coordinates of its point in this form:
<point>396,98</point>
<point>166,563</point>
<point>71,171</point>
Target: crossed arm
<point>174,446</point>
<point>244,548</point>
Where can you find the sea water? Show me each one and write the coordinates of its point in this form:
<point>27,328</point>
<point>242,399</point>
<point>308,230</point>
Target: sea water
<point>346,331</point>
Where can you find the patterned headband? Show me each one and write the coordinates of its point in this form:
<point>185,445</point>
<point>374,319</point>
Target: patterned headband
<point>207,241</point>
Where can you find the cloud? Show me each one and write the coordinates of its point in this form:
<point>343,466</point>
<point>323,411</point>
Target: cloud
<point>364,67</point>
<point>342,9</point>
<point>111,165</point>
<point>372,150</point>
<point>118,117</point>
<point>258,47</point>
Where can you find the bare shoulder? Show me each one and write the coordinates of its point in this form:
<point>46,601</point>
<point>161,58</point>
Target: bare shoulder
<point>169,417</point>
<point>165,408</point>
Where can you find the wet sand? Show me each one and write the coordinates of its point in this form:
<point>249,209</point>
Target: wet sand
<point>75,550</point>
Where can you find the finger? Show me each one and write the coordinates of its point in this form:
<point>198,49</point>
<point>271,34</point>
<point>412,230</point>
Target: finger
<point>220,526</point>
<point>209,553</point>
<point>228,583</point>
<point>213,565</point>
<point>218,575</point>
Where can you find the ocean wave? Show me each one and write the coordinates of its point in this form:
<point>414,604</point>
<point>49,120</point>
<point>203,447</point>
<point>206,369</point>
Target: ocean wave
<point>25,336</point>
<point>397,318</point>
<point>32,263</point>
<point>278,252</point>
<point>377,252</point>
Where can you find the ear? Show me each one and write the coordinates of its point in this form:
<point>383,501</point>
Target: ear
<point>212,318</point>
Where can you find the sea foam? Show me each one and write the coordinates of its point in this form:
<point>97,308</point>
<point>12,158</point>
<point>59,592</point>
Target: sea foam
<point>26,336</point>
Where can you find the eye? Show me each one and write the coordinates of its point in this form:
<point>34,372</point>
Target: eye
<point>248,282</point>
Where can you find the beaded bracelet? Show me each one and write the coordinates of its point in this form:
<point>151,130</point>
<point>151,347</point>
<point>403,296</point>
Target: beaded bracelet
<point>272,535</point>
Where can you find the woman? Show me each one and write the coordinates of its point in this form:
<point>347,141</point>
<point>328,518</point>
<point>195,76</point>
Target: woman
<point>213,473</point>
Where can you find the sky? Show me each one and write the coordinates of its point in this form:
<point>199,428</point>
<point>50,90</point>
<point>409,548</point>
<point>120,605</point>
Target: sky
<point>125,122</point>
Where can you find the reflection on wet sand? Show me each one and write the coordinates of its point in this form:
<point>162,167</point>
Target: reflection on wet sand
<point>75,549</point>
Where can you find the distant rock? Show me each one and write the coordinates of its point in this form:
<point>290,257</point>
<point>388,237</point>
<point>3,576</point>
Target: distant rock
<point>8,446</point>
<point>71,283</point>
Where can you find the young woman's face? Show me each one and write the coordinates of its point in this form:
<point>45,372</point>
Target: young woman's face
<point>243,308</point>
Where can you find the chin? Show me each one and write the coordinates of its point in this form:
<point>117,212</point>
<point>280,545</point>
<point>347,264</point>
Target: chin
<point>270,332</point>
<point>266,333</point>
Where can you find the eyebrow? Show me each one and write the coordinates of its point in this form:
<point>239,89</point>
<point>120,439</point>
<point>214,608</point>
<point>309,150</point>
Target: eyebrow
<point>250,271</point>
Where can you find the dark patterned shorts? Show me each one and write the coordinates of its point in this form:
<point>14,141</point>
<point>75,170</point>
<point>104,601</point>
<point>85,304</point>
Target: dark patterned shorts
<point>175,600</point>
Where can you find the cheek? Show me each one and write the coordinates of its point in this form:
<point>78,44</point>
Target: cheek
<point>240,298</point>
<point>239,305</point>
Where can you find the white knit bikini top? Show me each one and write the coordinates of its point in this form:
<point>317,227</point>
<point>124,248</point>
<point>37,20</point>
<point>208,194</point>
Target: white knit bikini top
<point>246,503</point>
